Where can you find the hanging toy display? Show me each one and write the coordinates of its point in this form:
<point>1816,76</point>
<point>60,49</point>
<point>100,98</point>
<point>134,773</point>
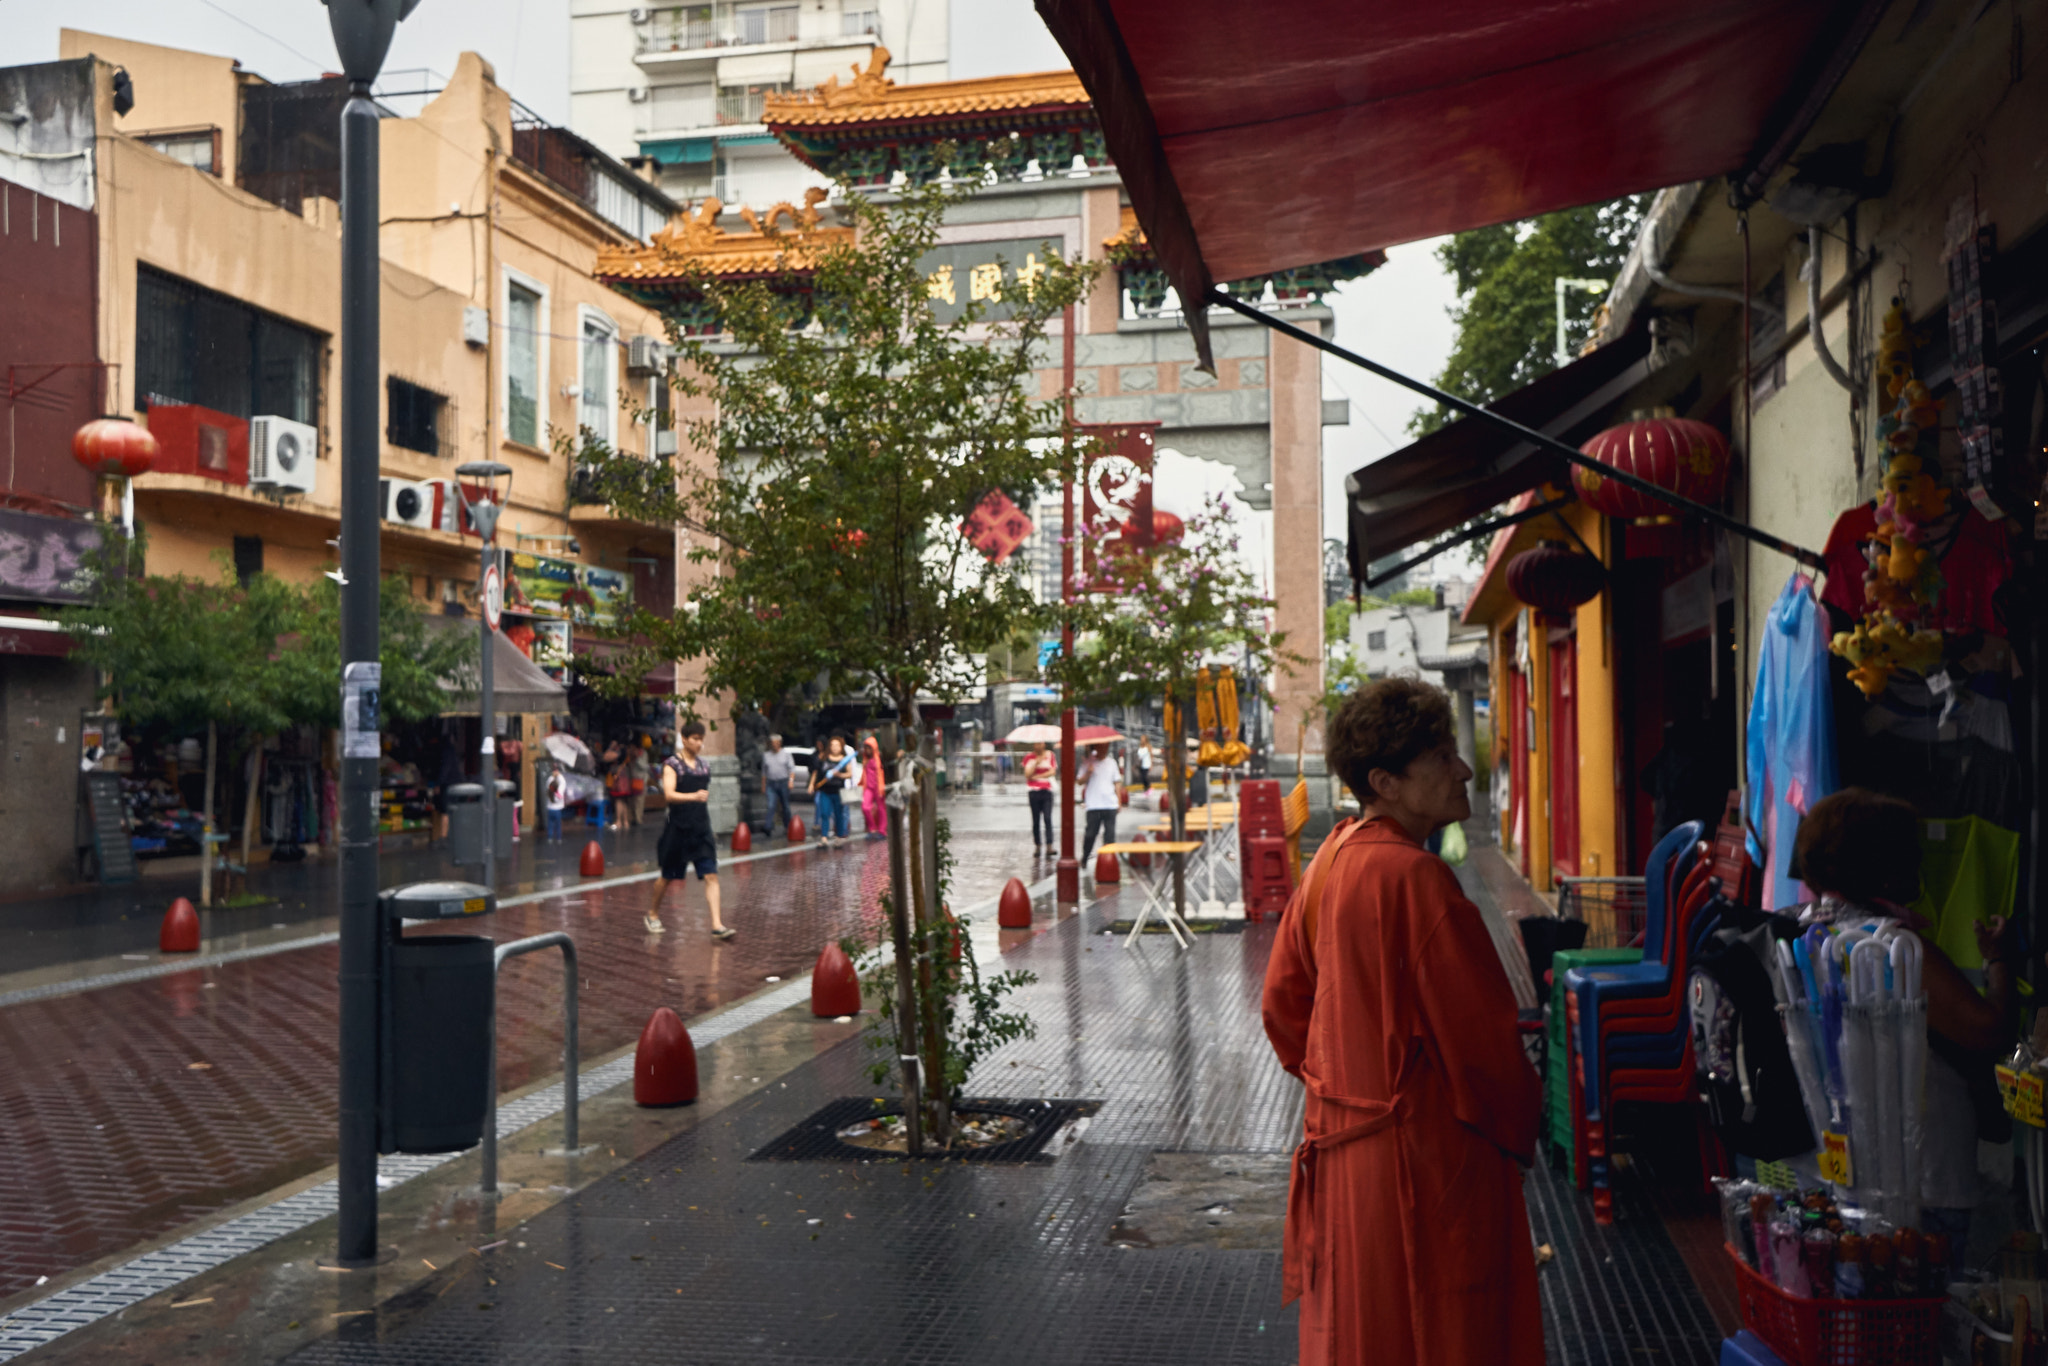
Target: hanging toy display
<point>1903,581</point>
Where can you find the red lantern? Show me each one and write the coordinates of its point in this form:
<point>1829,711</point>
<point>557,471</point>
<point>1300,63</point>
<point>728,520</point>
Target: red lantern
<point>1166,528</point>
<point>1555,578</point>
<point>114,447</point>
<point>1676,453</point>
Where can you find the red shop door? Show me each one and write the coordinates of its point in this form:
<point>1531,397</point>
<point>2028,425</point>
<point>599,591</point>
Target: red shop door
<point>1564,756</point>
<point>1515,820</point>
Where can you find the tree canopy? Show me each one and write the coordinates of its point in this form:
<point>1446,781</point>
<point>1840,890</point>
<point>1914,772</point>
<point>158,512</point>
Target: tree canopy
<point>850,447</point>
<point>1506,310</point>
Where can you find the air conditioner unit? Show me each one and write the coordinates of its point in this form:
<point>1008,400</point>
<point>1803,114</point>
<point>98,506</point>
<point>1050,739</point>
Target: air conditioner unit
<point>281,454</point>
<point>646,356</point>
<point>476,326</point>
<point>639,17</point>
<point>637,93</point>
<point>408,503</point>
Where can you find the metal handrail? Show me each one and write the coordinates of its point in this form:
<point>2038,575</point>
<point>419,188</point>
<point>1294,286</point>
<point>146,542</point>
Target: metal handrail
<point>553,939</point>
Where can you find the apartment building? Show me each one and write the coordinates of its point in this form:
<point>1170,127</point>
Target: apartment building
<point>680,89</point>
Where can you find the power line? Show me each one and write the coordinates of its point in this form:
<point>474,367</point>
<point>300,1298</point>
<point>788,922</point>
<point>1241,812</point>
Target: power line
<point>313,62</point>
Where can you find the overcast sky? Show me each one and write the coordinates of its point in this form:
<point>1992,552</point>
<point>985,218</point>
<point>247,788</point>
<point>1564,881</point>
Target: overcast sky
<point>1395,315</point>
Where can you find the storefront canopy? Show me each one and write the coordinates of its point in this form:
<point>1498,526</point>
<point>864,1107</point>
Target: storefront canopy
<point>1254,138</point>
<point>1469,466</point>
<point>518,685</point>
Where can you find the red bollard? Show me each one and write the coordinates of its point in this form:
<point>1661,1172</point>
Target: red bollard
<point>180,931</point>
<point>1140,860</point>
<point>1106,871</point>
<point>743,839</point>
<point>593,860</point>
<point>1013,912</point>
<point>797,833</point>
<point>665,1064</point>
<point>835,990</point>
<point>958,933</point>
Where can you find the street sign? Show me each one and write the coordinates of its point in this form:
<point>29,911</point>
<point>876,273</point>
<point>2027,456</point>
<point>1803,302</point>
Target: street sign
<point>494,596</point>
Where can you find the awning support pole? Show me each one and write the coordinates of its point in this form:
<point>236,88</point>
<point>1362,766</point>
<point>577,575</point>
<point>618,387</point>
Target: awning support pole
<point>1470,533</point>
<point>1550,443</point>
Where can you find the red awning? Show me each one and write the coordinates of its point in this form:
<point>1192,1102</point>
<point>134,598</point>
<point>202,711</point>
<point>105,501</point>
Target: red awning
<point>1254,138</point>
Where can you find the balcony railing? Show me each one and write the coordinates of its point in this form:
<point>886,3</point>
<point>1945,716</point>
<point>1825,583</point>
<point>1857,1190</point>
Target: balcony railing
<point>741,106</point>
<point>688,30</point>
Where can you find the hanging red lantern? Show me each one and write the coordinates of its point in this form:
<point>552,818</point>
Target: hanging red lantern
<point>1166,528</point>
<point>1686,457</point>
<point>114,447</point>
<point>1555,578</point>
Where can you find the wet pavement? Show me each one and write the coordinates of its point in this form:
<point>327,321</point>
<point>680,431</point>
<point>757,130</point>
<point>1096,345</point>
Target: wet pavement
<point>137,1107</point>
<point>668,1244</point>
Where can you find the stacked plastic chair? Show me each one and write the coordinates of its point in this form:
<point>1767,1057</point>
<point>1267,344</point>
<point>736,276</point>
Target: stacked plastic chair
<point>1627,1024</point>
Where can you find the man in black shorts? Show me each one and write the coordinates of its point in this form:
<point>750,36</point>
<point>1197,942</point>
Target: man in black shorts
<point>686,840</point>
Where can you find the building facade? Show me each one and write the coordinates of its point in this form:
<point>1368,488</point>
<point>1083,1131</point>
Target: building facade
<point>682,89</point>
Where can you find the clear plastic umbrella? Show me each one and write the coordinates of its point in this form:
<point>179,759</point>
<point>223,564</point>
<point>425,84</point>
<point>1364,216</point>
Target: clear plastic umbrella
<point>1802,1040</point>
<point>1910,1028</point>
<point>1859,1069</point>
<point>1879,1018</point>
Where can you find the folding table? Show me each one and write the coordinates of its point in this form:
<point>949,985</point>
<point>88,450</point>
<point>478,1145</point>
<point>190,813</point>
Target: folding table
<point>1154,894</point>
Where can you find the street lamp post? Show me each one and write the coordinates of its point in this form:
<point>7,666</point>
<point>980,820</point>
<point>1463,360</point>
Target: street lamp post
<point>362,35</point>
<point>482,476</point>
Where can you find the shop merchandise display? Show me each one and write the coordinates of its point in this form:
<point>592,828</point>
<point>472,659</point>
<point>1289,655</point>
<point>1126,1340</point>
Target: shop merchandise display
<point>1791,736</point>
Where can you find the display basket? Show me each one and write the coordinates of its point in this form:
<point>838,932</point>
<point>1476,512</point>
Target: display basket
<point>1823,1332</point>
<point>1615,909</point>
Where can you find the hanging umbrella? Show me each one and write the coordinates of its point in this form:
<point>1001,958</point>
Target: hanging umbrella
<point>1859,1069</point>
<point>1208,754</point>
<point>1235,751</point>
<point>1801,1040</point>
<point>1879,1106</point>
<point>1033,735</point>
<point>1911,1027</point>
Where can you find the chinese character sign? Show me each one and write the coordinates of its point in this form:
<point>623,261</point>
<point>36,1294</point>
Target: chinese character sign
<point>997,526</point>
<point>958,274</point>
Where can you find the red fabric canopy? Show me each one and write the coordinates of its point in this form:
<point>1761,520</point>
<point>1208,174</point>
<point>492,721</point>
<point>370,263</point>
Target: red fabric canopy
<point>1255,138</point>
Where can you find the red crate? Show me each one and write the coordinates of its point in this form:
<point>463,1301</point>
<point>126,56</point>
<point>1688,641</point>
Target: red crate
<point>1827,1332</point>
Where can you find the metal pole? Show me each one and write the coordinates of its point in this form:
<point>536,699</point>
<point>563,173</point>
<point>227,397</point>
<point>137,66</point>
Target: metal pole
<point>361,964</point>
<point>906,964</point>
<point>1067,873</point>
<point>487,700</point>
<point>571,1012</point>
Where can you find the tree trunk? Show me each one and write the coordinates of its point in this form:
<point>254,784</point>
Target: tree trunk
<point>206,822</point>
<point>906,969</point>
<point>252,805</point>
<point>938,1098</point>
<point>1176,798</point>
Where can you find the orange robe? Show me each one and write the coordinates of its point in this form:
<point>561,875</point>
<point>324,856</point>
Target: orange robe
<point>1407,1239</point>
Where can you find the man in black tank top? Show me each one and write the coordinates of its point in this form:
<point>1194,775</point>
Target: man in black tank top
<point>686,839</point>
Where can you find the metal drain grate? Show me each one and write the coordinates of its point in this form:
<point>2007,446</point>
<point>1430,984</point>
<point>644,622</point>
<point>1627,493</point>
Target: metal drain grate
<point>816,1139</point>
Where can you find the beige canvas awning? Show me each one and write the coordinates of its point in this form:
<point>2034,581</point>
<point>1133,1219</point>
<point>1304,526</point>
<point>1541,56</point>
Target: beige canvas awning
<point>518,685</point>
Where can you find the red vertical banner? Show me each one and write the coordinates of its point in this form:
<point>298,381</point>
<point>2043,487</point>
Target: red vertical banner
<point>1116,491</point>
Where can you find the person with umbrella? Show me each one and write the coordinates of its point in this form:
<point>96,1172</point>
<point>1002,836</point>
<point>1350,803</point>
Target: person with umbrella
<point>1101,791</point>
<point>1039,768</point>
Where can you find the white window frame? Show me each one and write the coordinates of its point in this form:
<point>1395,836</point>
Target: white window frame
<point>507,278</point>
<point>588,316</point>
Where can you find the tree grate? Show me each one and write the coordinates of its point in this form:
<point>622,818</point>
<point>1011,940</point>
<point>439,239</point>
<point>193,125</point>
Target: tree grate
<point>817,1139</point>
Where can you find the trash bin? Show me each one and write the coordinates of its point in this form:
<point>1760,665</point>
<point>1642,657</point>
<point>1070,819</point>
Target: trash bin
<point>443,995</point>
<point>466,823</point>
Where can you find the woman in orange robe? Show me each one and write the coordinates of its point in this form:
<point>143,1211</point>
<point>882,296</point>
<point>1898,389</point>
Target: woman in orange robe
<point>1407,1238</point>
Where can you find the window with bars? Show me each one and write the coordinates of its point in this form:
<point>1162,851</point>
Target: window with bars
<point>193,345</point>
<point>418,418</point>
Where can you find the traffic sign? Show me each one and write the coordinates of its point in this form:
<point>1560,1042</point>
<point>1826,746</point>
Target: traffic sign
<point>494,596</point>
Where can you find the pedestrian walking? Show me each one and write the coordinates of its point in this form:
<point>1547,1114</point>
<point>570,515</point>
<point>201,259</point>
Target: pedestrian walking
<point>686,840</point>
<point>1101,787</point>
<point>777,765</point>
<point>828,787</point>
<point>874,817</point>
<point>1144,764</point>
<point>1407,1237</point>
<point>1039,768</point>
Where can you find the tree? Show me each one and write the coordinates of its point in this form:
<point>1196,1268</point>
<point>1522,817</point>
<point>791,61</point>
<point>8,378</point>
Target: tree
<point>1506,313</point>
<point>1145,621</point>
<point>246,657</point>
<point>853,430</point>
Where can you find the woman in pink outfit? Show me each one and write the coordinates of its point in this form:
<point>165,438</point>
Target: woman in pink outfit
<point>872,814</point>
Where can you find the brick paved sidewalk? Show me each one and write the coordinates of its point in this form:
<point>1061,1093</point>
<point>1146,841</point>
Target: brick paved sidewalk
<point>133,1109</point>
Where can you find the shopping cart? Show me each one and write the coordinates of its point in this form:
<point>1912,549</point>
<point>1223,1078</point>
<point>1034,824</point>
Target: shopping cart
<point>1614,909</point>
